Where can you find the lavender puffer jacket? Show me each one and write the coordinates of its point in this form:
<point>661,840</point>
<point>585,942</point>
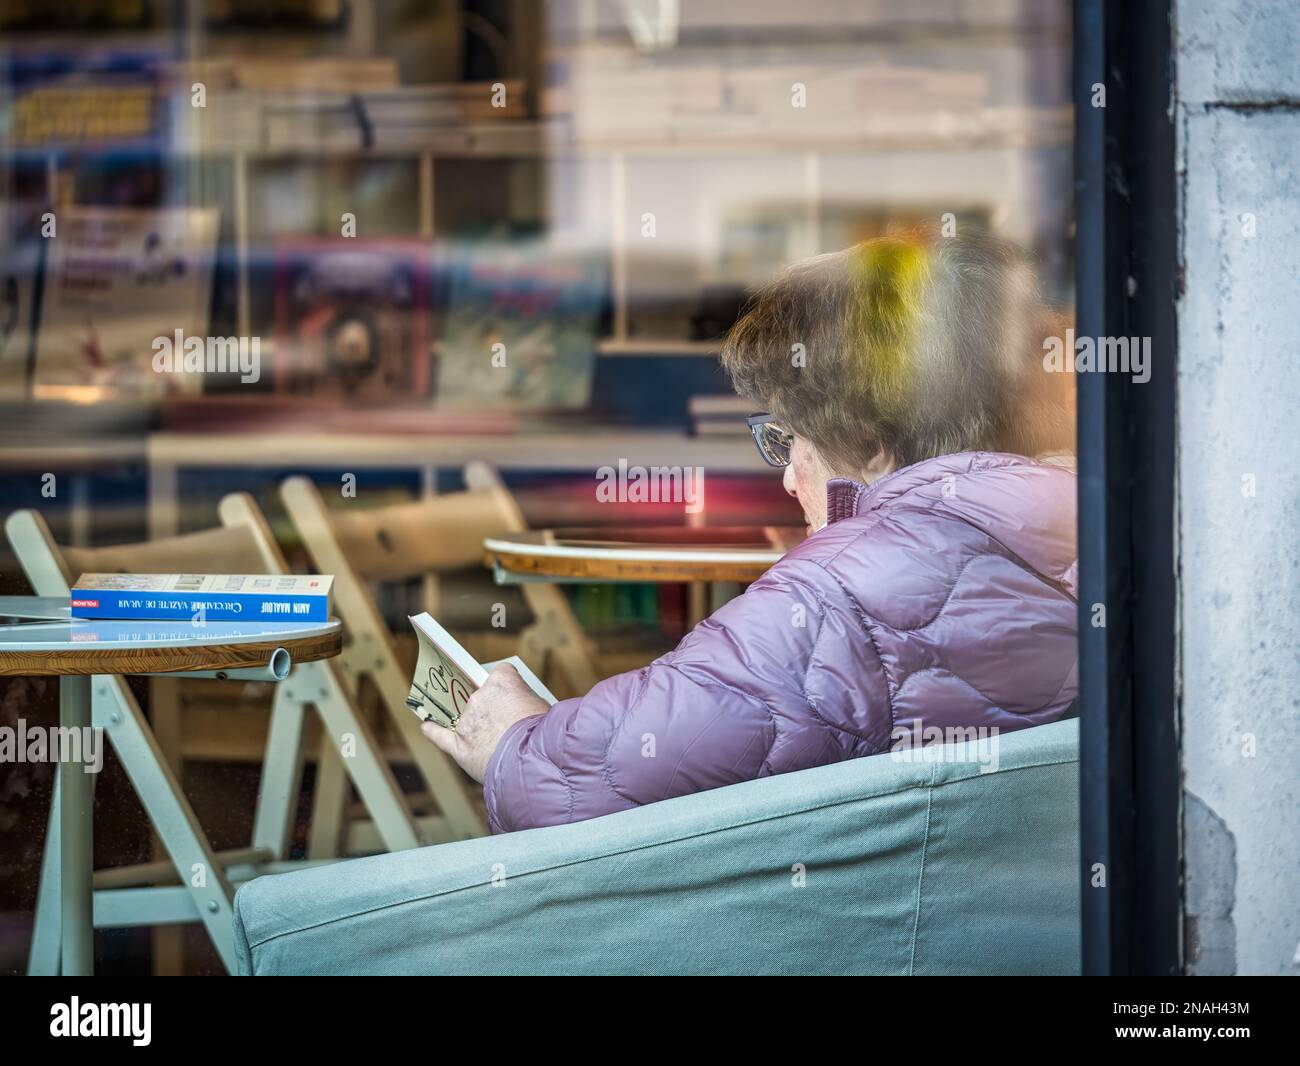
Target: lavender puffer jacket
<point>943,593</point>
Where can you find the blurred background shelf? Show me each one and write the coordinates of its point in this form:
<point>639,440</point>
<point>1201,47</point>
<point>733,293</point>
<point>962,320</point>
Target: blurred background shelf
<point>681,154</point>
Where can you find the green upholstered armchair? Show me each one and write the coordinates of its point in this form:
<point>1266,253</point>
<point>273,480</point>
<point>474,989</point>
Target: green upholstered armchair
<point>964,864</point>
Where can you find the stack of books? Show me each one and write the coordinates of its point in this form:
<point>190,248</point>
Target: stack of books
<point>204,597</point>
<point>336,74</point>
<point>336,116</point>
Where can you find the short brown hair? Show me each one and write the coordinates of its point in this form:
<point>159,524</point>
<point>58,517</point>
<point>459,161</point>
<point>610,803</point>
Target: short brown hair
<point>913,345</point>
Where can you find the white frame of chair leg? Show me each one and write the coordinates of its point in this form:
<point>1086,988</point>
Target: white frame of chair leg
<point>321,684</point>
<point>370,652</point>
<point>119,716</point>
<point>370,773</point>
<point>43,956</point>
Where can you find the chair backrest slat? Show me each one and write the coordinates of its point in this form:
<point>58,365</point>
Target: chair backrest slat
<point>223,550</point>
<point>234,548</point>
<point>409,540</point>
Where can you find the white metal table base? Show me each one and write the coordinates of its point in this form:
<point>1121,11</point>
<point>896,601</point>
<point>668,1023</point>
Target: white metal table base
<point>76,797</point>
<point>65,914</point>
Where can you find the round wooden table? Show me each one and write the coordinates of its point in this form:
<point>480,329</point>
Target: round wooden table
<point>77,649</point>
<point>730,554</point>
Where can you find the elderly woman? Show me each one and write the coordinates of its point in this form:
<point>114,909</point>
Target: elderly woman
<point>907,402</point>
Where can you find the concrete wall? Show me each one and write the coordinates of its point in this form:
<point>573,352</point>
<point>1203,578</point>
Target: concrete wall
<point>1238,124</point>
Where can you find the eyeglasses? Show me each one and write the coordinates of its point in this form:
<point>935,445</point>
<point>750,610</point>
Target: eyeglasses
<point>773,439</point>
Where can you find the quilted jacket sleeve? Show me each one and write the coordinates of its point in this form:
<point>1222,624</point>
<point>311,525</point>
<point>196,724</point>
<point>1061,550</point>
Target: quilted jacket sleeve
<point>729,704</point>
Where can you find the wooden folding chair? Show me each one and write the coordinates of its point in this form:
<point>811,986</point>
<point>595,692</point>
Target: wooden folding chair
<point>399,542</point>
<point>555,631</point>
<point>127,896</point>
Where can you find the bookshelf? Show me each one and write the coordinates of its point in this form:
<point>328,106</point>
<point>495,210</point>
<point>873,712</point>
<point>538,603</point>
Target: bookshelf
<point>611,162</point>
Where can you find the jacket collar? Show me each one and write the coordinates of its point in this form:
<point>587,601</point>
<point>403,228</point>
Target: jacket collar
<point>842,496</point>
<point>846,498</point>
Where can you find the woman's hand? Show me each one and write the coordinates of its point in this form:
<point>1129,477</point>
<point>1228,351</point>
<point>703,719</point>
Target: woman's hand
<point>502,701</point>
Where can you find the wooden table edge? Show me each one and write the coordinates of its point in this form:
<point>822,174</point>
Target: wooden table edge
<point>167,659</point>
<point>527,564</point>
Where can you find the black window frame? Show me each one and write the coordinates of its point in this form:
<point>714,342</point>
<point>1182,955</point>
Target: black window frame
<point>1127,279</point>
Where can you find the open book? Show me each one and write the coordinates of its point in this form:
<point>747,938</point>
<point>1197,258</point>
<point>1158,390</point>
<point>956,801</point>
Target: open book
<point>446,675</point>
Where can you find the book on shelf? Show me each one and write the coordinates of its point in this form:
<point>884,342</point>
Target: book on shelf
<point>70,98</point>
<point>331,74</point>
<point>521,327</point>
<point>122,286</point>
<point>420,115</point>
<point>719,416</point>
<point>615,94</point>
<point>352,318</point>
<point>446,675</point>
<point>428,105</point>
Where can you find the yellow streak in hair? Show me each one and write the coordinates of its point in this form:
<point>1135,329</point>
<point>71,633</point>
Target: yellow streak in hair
<point>890,277</point>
